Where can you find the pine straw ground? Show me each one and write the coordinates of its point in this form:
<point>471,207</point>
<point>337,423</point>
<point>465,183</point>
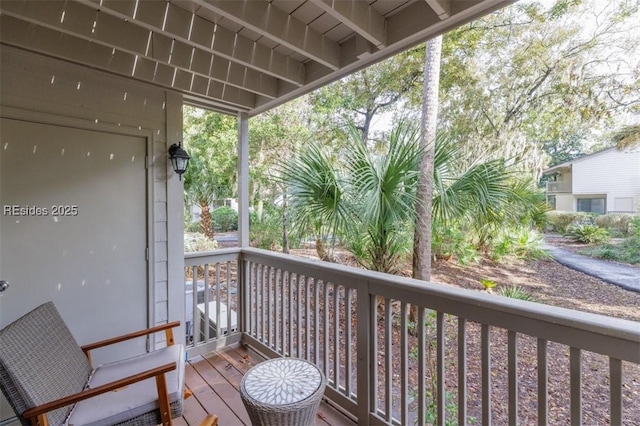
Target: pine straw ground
<point>549,283</point>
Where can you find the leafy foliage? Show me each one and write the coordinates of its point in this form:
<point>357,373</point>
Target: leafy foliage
<point>367,197</point>
<point>627,251</point>
<point>196,242</point>
<point>515,292</point>
<point>561,221</point>
<point>266,232</point>
<point>225,219</point>
<point>517,242</point>
<point>588,234</point>
<point>528,80</point>
<point>620,225</point>
<point>487,283</point>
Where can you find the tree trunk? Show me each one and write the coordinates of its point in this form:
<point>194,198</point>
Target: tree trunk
<point>422,234</point>
<point>206,224</point>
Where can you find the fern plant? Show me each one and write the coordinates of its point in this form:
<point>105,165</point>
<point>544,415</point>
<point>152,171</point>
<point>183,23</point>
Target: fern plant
<point>515,292</point>
<point>589,234</point>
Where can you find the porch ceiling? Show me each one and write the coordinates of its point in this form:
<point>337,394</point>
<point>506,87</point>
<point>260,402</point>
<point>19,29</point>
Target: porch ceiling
<point>231,55</point>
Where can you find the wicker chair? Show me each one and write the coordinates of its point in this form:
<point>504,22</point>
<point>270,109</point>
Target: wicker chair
<point>48,379</point>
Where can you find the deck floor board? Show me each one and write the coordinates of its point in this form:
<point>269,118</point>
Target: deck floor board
<point>215,379</point>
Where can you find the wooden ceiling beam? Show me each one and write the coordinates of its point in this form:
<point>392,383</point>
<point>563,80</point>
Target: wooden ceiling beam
<point>275,24</point>
<point>42,39</point>
<point>114,32</point>
<point>191,29</point>
<point>442,8</point>
<point>359,16</point>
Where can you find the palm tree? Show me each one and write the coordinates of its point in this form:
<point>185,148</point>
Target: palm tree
<point>382,189</point>
<point>368,198</point>
<point>316,196</point>
<point>365,197</point>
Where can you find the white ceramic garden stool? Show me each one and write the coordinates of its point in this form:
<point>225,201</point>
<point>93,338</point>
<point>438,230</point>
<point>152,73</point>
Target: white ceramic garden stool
<point>283,392</point>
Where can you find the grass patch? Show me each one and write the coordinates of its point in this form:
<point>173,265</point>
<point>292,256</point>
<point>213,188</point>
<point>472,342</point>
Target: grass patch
<point>627,251</point>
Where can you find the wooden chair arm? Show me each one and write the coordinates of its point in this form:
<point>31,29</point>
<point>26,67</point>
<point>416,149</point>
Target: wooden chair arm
<point>34,412</point>
<point>164,327</point>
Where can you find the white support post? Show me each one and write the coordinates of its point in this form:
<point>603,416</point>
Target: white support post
<point>243,179</point>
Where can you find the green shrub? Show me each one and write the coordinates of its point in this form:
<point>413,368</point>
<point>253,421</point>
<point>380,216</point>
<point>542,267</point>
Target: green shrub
<point>515,292</point>
<point>191,226</point>
<point>195,241</point>
<point>267,232</point>
<point>450,242</point>
<point>588,234</point>
<point>618,225</point>
<point>518,242</point>
<point>224,219</point>
<point>561,221</point>
<point>627,251</point>
<point>634,226</point>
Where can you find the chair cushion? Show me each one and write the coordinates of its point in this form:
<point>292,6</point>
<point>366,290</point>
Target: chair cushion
<point>136,399</point>
<point>40,361</point>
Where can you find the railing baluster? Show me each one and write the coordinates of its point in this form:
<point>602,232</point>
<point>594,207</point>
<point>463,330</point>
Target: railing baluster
<point>229,306</point>
<point>299,284</point>
<point>218,313</point>
<point>336,336</point>
<point>269,317</point>
<point>291,331</point>
<point>422,372</point>
<point>543,383</point>
<point>307,315</point>
<point>325,358</point>
<point>278,322</point>
<point>373,349</point>
<point>486,373</point>
<point>256,300</point>
<point>195,318</point>
<point>575,368</point>
<point>283,298</point>
<point>316,317</point>
<point>366,355</point>
<point>441,397</point>
<point>462,371</point>
<point>512,356</point>
<point>388,365</point>
<point>404,362</point>
<point>615,391</point>
<point>348,339</point>
<point>207,298</point>
<point>263,302</point>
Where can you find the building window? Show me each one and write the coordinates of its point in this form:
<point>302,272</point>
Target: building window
<point>591,205</point>
<point>551,201</point>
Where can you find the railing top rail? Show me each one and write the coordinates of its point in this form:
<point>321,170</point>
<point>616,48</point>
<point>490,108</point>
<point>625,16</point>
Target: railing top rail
<point>213,256</point>
<point>581,329</point>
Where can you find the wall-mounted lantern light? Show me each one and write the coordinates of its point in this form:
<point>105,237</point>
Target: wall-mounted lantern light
<point>179,159</point>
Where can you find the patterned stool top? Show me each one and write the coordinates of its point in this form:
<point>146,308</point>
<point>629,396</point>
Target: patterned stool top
<point>282,381</point>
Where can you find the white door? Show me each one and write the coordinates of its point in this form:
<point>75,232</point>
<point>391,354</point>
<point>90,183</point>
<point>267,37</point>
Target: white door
<point>73,230</point>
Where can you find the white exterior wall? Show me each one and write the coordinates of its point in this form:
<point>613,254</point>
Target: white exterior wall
<point>45,86</point>
<point>565,203</point>
<point>615,174</point>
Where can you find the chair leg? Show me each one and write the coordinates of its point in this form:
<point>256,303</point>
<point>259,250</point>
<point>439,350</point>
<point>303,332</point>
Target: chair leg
<point>163,399</point>
<point>210,420</point>
<point>41,420</point>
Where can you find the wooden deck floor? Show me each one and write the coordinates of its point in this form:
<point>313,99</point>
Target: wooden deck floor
<point>214,380</point>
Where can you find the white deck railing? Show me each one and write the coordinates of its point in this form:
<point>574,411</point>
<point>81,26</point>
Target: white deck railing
<point>445,367</point>
<point>559,186</point>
